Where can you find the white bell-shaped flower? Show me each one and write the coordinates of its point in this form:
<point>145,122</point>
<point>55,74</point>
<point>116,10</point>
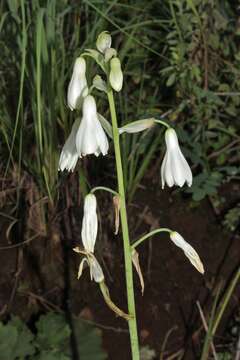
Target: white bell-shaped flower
<point>89,223</point>
<point>174,169</point>
<point>91,138</point>
<point>188,250</point>
<point>69,156</point>
<point>78,83</point>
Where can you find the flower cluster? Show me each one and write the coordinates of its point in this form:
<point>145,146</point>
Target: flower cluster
<point>87,135</point>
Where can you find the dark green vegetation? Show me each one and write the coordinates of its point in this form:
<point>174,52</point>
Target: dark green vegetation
<point>51,341</point>
<point>181,58</point>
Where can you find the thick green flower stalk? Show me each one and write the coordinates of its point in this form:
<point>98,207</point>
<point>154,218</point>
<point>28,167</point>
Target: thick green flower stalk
<point>89,135</point>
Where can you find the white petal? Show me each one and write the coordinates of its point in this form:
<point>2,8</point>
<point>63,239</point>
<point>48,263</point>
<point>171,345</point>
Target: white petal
<point>77,83</point>
<point>86,143</point>
<point>89,223</point>
<point>96,270</point>
<point>168,170</point>
<point>177,169</point>
<point>68,158</point>
<point>80,270</point>
<point>91,138</point>
<point>187,169</point>
<point>101,137</point>
<point>163,170</point>
<point>171,139</point>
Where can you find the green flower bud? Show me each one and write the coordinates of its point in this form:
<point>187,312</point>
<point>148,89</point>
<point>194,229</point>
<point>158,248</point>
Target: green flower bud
<point>116,75</point>
<point>104,41</point>
<point>109,53</point>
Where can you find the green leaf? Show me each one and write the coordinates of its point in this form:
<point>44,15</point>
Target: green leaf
<point>24,345</point>
<point>199,194</point>
<point>90,341</point>
<point>46,355</point>
<point>15,340</point>
<point>53,332</point>
<point>8,340</point>
<point>171,80</point>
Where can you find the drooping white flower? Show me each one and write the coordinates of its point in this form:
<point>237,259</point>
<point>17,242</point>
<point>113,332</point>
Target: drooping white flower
<point>104,41</point>
<point>116,75</point>
<point>69,156</point>
<point>78,83</point>
<point>95,269</point>
<point>89,236</point>
<point>188,250</point>
<point>89,223</point>
<point>91,138</point>
<point>174,169</point>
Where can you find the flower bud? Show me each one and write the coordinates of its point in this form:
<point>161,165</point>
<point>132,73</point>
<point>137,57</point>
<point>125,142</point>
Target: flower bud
<point>104,41</point>
<point>116,75</point>
<point>188,250</point>
<point>137,126</point>
<point>109,53</point>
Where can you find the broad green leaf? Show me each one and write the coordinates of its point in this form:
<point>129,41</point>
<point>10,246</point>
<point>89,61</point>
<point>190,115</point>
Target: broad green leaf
<point>24,344</point>
<point>53,332</point>
<point>8,341</point>
<point>53,355</point>
<point>90,341</point>
<point>16,340</point>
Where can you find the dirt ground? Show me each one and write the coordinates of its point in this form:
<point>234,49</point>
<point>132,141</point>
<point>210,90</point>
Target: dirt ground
<point>168,319</point>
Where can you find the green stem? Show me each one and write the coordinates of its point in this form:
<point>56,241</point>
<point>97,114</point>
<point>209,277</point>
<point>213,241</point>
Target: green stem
<point>132,323</point>
<point>226,301</point>
<point>105,189</point>
<point>162,123</point>
<point>151,233</point>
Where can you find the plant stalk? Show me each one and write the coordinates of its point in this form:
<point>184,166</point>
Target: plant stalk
<point>132,323</point>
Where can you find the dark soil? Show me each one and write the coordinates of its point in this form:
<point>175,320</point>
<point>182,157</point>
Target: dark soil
<point>167,311</point>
